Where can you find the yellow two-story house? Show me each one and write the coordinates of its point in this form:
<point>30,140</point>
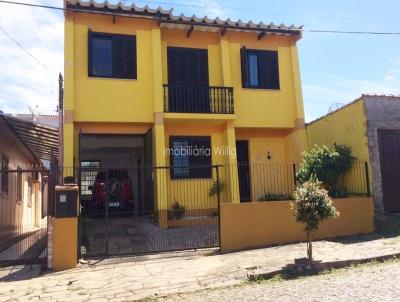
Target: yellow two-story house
<point>142,84</point>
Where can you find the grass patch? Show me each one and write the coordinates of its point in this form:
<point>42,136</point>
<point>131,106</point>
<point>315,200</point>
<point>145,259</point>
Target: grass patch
<point>290,274</point>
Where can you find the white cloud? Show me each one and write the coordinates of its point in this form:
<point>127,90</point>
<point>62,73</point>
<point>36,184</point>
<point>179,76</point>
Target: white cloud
<point>331,89</point>
<point>23,81</point>
<point>392,74</point>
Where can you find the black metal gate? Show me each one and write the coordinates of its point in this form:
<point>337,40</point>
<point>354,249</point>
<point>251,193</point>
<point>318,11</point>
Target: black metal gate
<point>23,216</point>
<point>136,210</point>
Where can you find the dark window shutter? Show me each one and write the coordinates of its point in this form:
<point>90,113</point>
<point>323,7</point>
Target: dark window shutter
<point>173,66</point>
<point>131,58</point>
<point>203,67</point>
<point>244,67</point>
<point>269,69</point>
<point>124,57</point>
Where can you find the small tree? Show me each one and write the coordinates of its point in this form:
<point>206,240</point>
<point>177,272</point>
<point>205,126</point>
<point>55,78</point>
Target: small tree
<point>312,206</point>
<point>326,164</point>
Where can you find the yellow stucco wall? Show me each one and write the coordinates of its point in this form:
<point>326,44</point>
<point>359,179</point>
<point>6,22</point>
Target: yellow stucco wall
<point>346,126</point>
<point>256,224</point>
<point>64,243</point>
<point>98,99</point>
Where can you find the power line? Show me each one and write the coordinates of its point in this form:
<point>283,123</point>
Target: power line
<point>24,49</point>
<point>265,12</point>
<point>122,15</point>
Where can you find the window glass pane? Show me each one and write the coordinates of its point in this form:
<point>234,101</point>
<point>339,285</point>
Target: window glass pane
<point>101,56</point>
<point>180,148</point>
<point>88,177</point>
<point>253,69</point>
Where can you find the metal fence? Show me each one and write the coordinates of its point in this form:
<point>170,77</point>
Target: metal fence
<point>23,216</point>
<point>198,99</point>
<point>135,210</point>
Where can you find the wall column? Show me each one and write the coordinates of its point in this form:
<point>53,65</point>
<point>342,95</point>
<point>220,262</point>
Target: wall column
<point>231,169</point>
<point>157,70</point>
<point>160,172</point>
<point>225,61</point>
<point>299,137</point>
<point>68,133</point>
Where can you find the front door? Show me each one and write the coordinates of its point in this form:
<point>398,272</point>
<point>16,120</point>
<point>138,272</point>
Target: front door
<point>188,80</point>
<point>389,146</point>
<point>242,152</point>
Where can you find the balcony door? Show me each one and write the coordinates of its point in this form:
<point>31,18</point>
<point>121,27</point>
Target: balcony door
<point>188,89</point>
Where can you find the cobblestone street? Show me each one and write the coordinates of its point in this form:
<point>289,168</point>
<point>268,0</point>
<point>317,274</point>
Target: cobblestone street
<point>133,278</point>
<point>377,282</point>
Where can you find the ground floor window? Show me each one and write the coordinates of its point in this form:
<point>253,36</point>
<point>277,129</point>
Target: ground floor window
<point>4,173</point>
<point>88,175</point>
<point>19,184</point>
<point>190,157</point>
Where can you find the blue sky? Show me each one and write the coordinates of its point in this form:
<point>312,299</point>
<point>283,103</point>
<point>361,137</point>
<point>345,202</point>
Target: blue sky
<point>334,68</point>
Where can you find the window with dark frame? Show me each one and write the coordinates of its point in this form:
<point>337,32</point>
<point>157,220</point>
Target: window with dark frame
<point>89,170</point>
<point>260,69</point>
<point>112,56</point>
<point>19,184</point>
<point>190,157</point>
<point>4,173</point>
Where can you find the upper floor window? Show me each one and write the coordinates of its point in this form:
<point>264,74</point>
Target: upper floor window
<point>112,56</point>
<point>4,173</point>
<point>190,157</point>
<point>260,69</point>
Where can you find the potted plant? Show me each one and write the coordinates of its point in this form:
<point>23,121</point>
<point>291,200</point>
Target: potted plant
<point>217,188</point>
<point>177,211</point>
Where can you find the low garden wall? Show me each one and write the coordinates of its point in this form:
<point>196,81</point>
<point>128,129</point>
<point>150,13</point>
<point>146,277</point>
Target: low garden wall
<point>257,224</point>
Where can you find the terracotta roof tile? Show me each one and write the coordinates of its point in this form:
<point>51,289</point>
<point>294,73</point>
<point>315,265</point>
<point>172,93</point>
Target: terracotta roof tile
<point>166,17</point>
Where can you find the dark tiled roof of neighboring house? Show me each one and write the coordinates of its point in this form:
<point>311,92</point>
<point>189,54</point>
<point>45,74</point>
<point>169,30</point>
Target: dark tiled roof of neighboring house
<point>41,119</point>
<point>168,20</point>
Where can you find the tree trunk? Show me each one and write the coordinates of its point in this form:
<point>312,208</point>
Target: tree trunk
<point>309,244</point>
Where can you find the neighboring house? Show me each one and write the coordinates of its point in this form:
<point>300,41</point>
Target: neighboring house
<point>141,82</point>
<point>23,146</point>
<point>40,119</point>
<point>370,125</point>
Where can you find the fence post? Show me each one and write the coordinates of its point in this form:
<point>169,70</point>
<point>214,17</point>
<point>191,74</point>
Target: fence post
<point>219,206</point>
<point>294,175</point>
<point>367,179</point>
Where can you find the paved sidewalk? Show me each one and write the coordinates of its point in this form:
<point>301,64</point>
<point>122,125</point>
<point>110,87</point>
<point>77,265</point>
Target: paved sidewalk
<point>144,276</point>
<point>371,283</point>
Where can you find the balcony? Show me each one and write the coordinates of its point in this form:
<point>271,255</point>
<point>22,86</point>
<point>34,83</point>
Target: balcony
<point>182,98</point>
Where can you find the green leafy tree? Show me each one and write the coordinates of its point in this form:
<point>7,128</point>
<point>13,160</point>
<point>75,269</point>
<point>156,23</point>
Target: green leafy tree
<point>312,206</point>
<point>326,164</point>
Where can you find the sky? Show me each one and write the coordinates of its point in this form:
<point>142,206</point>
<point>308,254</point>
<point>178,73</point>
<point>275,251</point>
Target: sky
<point>335,68</point>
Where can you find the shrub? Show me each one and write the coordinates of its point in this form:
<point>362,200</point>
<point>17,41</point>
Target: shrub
<point>274,197</point>
<point>177,211</point>
<point>312,206</point>
<point>327,165</point>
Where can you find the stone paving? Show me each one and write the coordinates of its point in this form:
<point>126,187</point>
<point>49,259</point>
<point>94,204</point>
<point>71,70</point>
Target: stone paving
<point>141,234</point>
<point>127,279</point>
<point>377,283</point>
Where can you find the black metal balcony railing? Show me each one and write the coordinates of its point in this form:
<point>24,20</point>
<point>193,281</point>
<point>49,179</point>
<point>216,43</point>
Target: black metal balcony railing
<point>198,99</point>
